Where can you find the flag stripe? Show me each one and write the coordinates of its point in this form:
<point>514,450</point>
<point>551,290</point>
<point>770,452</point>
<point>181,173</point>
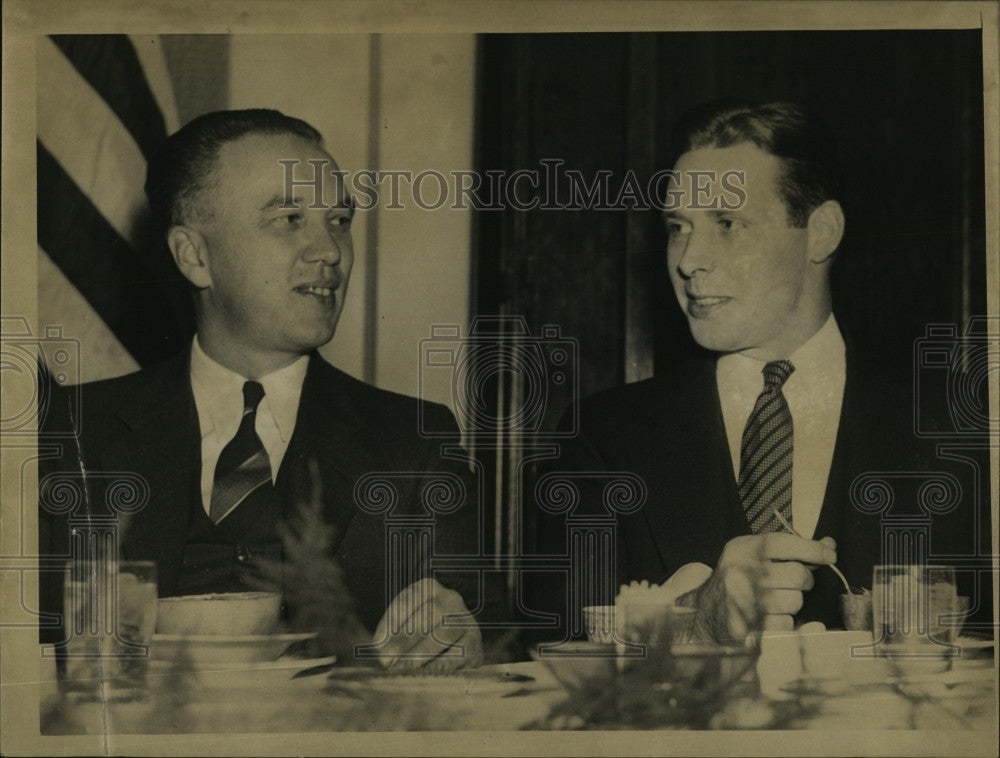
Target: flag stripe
<point>61,304</point>
<point>102,265</point>
<point>93,147</point>
<point>149,49</point>
<point>110,65</point>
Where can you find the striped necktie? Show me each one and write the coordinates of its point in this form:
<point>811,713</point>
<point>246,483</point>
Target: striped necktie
<point>243,464</point>
<point>766,454</point>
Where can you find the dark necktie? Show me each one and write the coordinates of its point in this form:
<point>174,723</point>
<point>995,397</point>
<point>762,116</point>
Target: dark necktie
<point>766,454</point>
<point>243,464</point>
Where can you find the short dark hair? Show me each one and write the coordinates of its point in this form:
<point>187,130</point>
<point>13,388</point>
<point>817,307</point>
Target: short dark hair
<point>802,141</point>
<point>183,167</point>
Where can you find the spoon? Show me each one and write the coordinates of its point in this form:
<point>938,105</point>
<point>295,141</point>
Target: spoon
<point>784,523</point>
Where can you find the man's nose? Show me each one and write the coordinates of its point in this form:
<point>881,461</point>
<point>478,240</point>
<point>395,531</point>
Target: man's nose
<point>696,255</point>
<point>326,247</point>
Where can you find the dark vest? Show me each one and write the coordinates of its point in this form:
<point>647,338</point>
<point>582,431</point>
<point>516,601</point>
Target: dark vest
<point>222,557</point>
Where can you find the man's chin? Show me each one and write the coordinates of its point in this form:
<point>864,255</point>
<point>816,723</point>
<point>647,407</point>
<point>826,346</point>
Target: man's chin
<point>713,337</point>
<point>316,339</point>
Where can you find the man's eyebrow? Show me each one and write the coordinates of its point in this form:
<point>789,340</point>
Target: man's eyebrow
<point>281,201</point>
<point>346,203</point>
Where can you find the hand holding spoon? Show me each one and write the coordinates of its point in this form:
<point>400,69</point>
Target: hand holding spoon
<point>784,523</point>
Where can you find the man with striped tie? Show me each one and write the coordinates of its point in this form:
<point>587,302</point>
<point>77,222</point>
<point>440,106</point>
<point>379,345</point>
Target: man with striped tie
<point>249,421</point>
<point>749,451</point>
<point>751,270</point>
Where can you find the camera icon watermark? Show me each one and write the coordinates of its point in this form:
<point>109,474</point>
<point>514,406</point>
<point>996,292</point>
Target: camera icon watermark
<point>32,366</point>
<point>502,379</point>
<point>954,369</point>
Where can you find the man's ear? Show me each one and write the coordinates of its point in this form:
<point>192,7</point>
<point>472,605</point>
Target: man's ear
<point>826,229</point>
<point>189,249</point>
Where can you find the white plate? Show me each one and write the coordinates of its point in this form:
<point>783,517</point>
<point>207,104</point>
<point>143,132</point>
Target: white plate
<point>459,683</point>
<point>201,650</point>
<point>288,667</point>
<point>240,677</point>
<point>974,643</point>
<point>975,647</point>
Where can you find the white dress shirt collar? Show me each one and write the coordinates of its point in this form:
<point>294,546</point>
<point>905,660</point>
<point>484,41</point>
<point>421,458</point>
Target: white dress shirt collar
<point>819,365</point>
<point>222,389</point>
<point>218,397</point>
<point>814,392</point>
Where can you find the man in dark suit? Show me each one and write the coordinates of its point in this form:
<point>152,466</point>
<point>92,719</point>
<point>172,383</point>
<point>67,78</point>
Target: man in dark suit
<point>231,436</point>
<point>770,431</point>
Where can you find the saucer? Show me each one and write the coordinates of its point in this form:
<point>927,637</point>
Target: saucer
<point>199,651</point>
<point>296,673</point>
<point>464,682</point>
<point>971,643</point>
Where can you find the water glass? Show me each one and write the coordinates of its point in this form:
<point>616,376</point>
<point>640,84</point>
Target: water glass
<point>914,609</point>
<point>110,614</point>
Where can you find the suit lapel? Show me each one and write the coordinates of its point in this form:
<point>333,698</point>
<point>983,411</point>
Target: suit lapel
<point>329,431</point>
<point>684,451</point>
<point>158,448</point>
<point>829,523</point>
<point>858,534</point>
<point>329,438</point>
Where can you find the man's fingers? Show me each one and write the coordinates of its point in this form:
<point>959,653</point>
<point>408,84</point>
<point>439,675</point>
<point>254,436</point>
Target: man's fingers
<point>429,621</point>
<point>403,609</point>
<point>426,647</point>
<point>447,648</point>
<point>781,602</point>
<point>786,575</point>
<point>778,623</point>
<point>406,619</point>
<point>761,574</point>
<point>465,650</point>
<point>419,608</point>
<point>413,650</point>
<point>413,634</point>
<point>790,547</point>
<point>812,627</point>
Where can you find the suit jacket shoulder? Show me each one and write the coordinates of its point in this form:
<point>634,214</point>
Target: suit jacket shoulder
<point>377,411</point>
<point>635,420</point>
<point>97,412</point>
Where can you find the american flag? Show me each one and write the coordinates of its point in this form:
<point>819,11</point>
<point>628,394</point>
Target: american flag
<point>105,104</point>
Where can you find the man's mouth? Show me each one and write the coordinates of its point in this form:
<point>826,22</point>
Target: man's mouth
<point>314,290</point>
<point>700,306</point>
<point>322,291</point>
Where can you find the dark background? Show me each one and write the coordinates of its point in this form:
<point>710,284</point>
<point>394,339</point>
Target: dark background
<point>906,107</point>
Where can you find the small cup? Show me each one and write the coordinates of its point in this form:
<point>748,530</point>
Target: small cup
<point>654,621</point>
<point>599,621</point>
<point>856,611</point>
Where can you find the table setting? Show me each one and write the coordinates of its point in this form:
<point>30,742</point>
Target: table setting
<point>227,663</point>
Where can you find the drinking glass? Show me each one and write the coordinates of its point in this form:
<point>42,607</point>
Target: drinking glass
<point>914,608</point>
<point>110,613</point>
